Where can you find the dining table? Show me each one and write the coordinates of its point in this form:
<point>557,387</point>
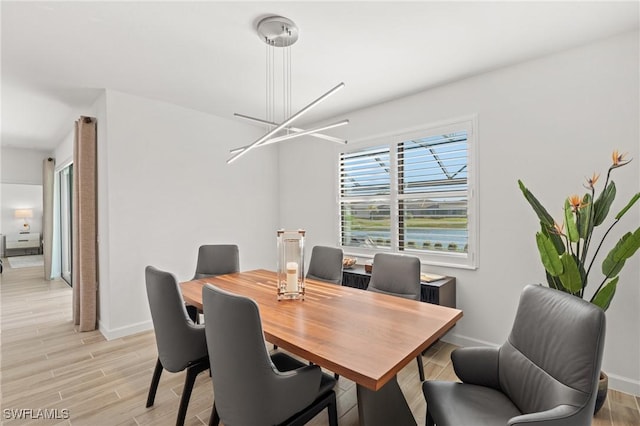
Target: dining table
<point>364,336</point>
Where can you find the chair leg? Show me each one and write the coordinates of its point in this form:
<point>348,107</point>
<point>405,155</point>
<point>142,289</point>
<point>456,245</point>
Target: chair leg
<point>332,410</point>
<point>214,420</point>
<point>429,419</point>
<point>154,383</point>
<point>193,313</point>
<point>327,400</point>
<point>189,380</point>
<point>420,368</point>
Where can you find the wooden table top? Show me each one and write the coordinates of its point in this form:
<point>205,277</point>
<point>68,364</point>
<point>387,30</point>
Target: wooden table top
<point>364,336</point>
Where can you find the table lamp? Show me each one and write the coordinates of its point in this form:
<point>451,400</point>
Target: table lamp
<point>24,214</point>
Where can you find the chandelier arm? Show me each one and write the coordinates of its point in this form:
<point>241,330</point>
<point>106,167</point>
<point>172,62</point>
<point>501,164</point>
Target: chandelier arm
<point>305,132</point>
<point>295,135</point>
<point>293,129</point>
<point>284,123</point>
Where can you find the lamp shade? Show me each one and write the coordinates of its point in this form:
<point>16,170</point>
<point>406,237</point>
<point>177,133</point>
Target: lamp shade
<point>23,213</point>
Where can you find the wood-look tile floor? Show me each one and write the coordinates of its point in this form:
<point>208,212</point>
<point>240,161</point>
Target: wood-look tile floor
<point>46,364</point>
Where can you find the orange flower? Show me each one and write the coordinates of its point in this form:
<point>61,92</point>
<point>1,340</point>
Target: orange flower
<point>576,203</point>
<point>618,159</point>
<point>591,182</point>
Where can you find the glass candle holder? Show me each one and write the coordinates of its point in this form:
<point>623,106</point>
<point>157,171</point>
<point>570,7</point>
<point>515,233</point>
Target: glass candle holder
<point>290,265</point>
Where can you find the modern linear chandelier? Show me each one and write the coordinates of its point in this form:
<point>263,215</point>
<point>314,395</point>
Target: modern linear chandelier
<point>282,33</point>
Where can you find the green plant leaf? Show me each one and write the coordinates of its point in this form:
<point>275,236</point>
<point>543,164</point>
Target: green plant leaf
<point>611,266</point>
<point>549,255</point>
<point>570,222</point>
<point>628,206</point>
<point>542,213</point>
<point>603,203</point>
<point>604,296</point>
<point>570,277</point>
<point>627,246</point>
<point>556,239</point>
<point>584,226</point>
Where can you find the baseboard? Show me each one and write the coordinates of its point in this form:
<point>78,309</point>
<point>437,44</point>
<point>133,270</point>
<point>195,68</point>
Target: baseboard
<point>116,333</point>
<point>624,384</point>
<point>619,383</point>
<point>465,341</point>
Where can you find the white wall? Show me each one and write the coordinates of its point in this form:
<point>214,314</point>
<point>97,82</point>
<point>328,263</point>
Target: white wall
<point>23,166</point>
<point>19,196</point>
<point>64,151</point>
<point>21,177</point>
<point>165,189</point>
<point>550,122</point>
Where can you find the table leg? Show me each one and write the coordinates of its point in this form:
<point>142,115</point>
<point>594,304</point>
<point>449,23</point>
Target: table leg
<point>384,407</point>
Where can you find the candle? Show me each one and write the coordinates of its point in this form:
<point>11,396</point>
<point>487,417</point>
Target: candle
<point>292,277</point>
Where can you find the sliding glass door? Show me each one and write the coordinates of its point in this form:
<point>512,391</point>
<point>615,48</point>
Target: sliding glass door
<point>66,189</point>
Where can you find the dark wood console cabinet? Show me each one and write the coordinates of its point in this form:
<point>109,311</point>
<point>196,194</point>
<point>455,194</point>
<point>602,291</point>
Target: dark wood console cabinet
<point>440,292</point>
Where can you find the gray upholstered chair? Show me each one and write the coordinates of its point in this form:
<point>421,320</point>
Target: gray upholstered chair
<point>397,275</point>
<point>251,387</point>
<point>217,259</point>
<point>326,264</point>
<point>181,344</point>
<point>546,373</point>
<point>214,259</point>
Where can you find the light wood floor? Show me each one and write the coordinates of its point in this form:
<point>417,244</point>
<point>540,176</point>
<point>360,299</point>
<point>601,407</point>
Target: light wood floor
<point>45,363</point>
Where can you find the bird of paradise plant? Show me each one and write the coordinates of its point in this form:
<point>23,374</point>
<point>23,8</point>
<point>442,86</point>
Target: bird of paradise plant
<point>564,253</point>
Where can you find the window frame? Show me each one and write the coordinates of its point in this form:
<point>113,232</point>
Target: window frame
<point>467,260</point>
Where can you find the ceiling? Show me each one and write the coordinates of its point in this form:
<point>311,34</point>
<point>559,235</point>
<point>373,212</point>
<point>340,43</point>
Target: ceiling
<point>57,57</point>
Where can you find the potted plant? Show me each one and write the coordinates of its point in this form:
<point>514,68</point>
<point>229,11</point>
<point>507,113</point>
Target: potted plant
<point>564,246</point>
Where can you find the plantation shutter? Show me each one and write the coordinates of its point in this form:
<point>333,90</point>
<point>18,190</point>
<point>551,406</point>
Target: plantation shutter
<point>365,189</point>
<point>433,193</point>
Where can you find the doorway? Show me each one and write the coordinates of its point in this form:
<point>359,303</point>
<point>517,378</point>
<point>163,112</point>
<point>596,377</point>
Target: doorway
<point>66,217</point>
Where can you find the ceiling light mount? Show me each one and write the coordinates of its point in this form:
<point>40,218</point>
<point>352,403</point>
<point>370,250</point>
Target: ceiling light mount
<point>278,31</point>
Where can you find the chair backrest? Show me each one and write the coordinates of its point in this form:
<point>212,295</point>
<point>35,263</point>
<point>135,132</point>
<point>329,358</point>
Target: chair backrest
<point>326,264</point>
<point>553,354</point>
<point>247,387</point>
<point>395,274</point>
<point>179,340</point>
<point>217,259</point>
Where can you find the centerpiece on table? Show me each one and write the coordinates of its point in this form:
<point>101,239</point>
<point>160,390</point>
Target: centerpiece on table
<point>290,268</point>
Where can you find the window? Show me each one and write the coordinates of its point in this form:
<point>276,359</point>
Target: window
<point>412,194</point>
<point>65,179</point>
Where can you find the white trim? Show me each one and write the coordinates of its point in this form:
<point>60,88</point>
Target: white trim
<point>624,384</point>
<point>124,331</point>
<point>394,211</point>
<point>64,164</point>
<point>465,341</point>
<point>364,141</point>
<point>473,208</point>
